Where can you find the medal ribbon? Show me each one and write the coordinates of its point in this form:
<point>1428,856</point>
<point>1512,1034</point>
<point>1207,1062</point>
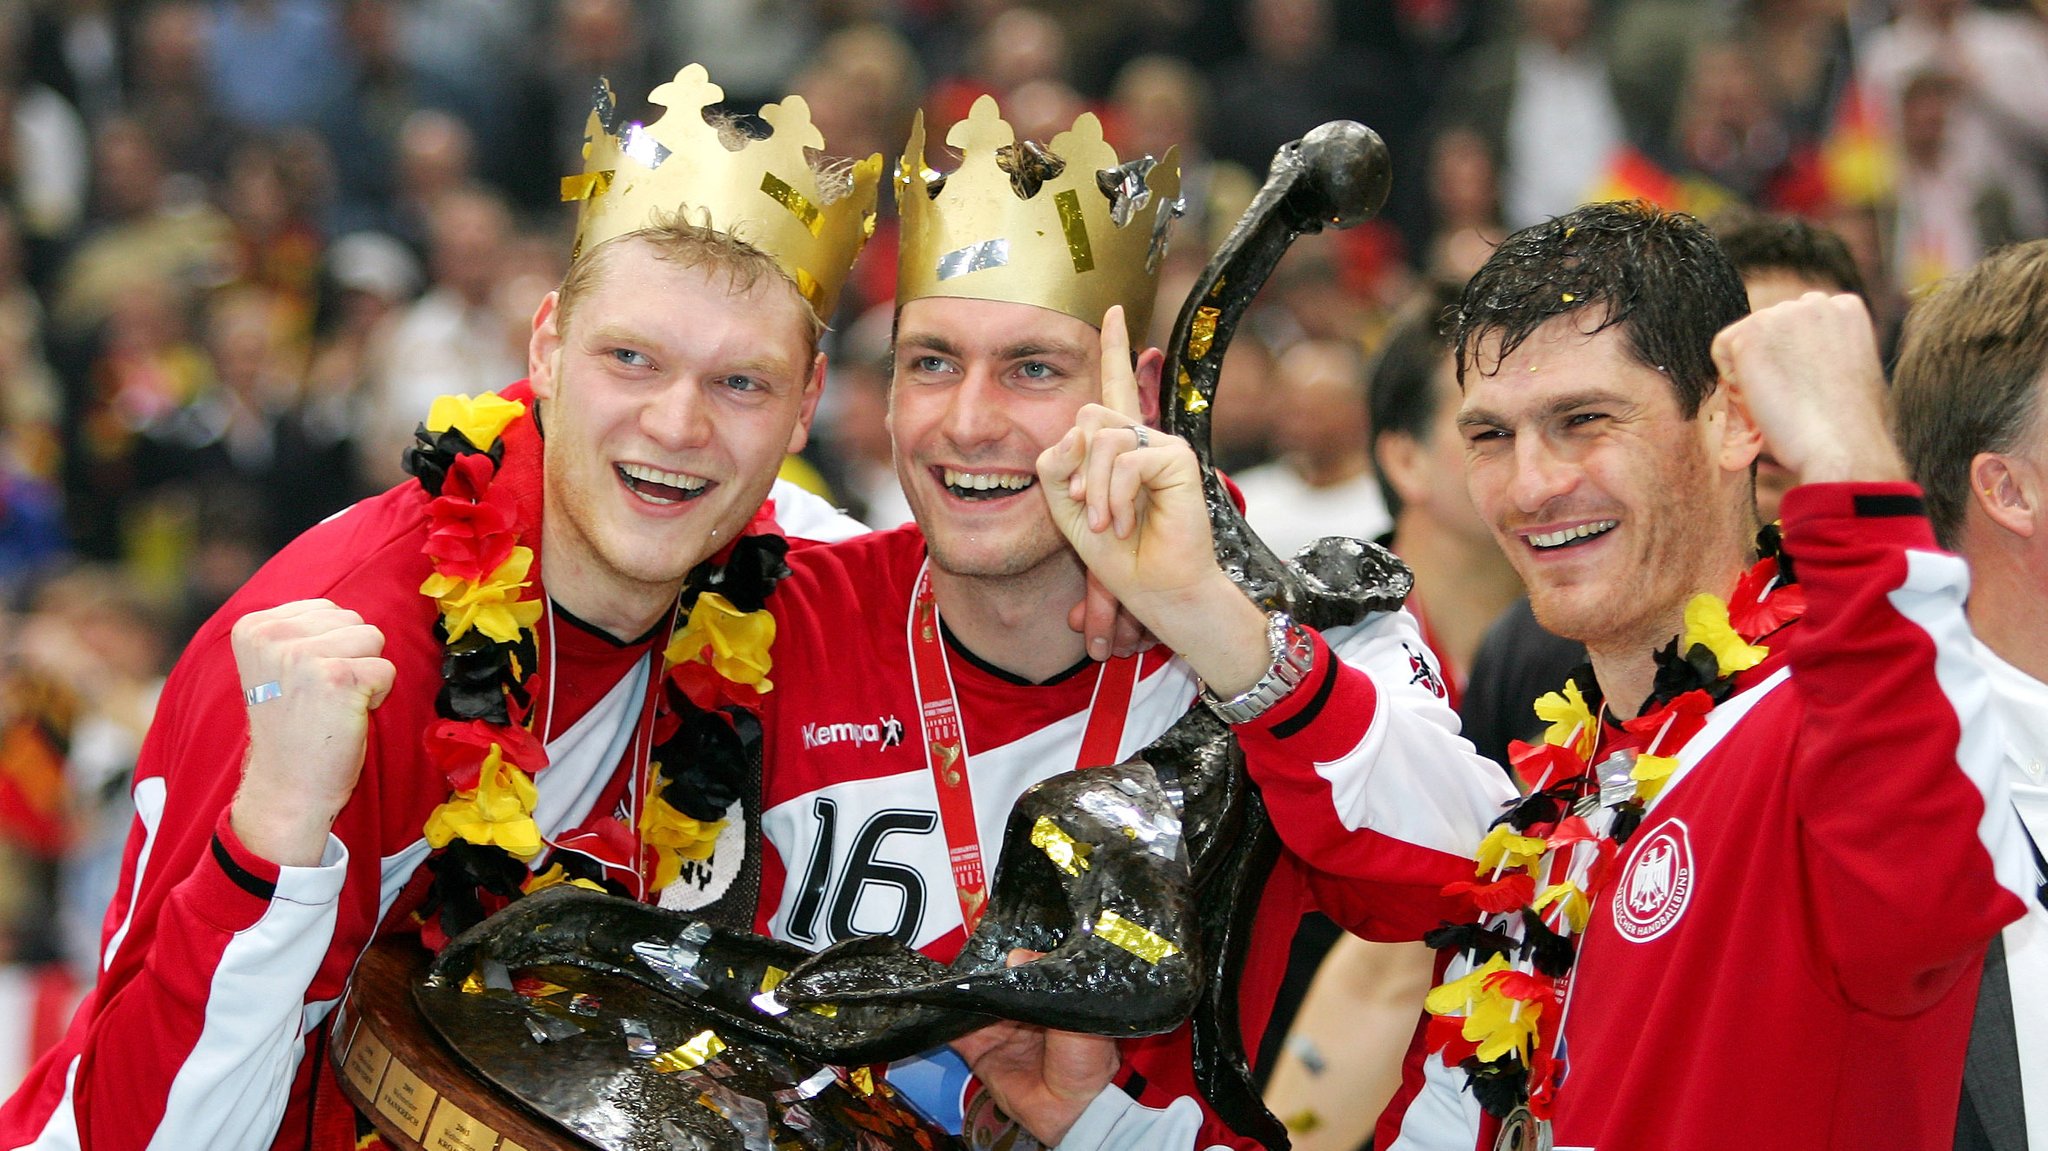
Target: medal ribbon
<point>945,746</point>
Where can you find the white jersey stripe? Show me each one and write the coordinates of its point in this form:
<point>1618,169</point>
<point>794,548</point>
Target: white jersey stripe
<point>231,1090</point>
<point>1931,599</point>
<point>149,813</point>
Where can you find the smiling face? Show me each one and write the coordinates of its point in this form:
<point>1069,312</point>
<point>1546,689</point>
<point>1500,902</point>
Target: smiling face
<point>1613,507</point>
<point>668,402</point>
<point>981,388</point>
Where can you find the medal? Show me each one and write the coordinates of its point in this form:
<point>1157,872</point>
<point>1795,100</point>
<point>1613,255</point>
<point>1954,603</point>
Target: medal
<point>1521,1131</point>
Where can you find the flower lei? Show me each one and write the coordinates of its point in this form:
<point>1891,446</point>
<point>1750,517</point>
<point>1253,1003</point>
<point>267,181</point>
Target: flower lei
<point>706,728</point>
<point>1545,863</point>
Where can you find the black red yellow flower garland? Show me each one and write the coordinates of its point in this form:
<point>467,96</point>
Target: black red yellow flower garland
<point>1543,865</point>
<point>715,670</point>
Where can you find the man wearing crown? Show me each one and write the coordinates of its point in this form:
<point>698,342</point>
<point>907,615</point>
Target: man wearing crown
<point>953,633</point>
<point>457,691</point>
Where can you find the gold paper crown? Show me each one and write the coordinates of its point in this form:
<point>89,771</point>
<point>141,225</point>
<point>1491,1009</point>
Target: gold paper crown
<point>1091,236</point>
<point>764,192</point>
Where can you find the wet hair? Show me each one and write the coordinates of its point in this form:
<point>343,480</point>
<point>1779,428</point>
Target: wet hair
<point>1658,276</point>
<point>1969,376</point>
<point>1758,243</point>
<point>1402,393</point>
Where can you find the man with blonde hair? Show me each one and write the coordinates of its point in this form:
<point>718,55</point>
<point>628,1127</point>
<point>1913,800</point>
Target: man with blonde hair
<point>456,692</point>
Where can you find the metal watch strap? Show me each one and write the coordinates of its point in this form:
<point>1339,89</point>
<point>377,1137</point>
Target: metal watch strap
<point>1293,655</point>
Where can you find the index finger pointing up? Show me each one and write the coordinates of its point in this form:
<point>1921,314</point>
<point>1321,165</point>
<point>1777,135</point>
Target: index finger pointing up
<point>1119,380</point>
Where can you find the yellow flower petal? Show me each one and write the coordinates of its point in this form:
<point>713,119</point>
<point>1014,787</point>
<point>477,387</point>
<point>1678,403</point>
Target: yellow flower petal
<point>480,420</point>
<point>1567,713</point>
<point>499,810</point>
<point>492,606</point>
<point>1502,848</point>
<point>662,826</point>
<point>1500,1025</point>
<point>1706,622</point>
<point>1577,909</point>
<point>738,641</point>
<point>1451,998</point>
<point>1651,773</point>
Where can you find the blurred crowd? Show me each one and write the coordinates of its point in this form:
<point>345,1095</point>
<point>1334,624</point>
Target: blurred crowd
<point>244,242</point>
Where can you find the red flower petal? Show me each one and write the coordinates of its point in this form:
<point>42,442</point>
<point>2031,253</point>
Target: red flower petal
<point>1507,893</point>
<point>1524,985</point>
<point>1540,765</point>
<point>709,690</point>
<point>1571,829</point>
<point>1447,1034</point>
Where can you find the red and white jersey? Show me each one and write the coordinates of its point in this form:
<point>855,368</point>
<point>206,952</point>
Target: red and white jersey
<point>218,968</point>
<point>1374,794</point>
<point>1787,956</point>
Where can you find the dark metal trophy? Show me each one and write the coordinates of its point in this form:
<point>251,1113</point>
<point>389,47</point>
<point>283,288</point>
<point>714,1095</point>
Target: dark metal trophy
<point>632,1028</point>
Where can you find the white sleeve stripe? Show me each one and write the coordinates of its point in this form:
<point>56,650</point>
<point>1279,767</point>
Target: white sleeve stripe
<point>231,1089</point>
<point>61,1132</point>
<point>1443,1116</point>
<point>149,812</point>
<point>1932,599</point>
<point>1113,1121</point>
<point>1411,777</point>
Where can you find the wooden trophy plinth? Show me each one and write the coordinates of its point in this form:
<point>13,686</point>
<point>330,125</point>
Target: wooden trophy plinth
<point>399,1073</point>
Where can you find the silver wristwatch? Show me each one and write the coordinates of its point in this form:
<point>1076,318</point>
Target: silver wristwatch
<point>1293,655</point>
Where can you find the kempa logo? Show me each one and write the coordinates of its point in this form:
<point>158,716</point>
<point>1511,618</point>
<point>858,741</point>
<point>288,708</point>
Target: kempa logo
<point>885,732</point>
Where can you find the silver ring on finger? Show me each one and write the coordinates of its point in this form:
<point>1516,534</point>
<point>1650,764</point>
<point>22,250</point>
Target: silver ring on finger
<point>1142,432</point>
<point>263,693</point>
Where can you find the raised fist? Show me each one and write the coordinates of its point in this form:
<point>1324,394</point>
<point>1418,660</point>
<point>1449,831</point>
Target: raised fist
<point>315,671</point>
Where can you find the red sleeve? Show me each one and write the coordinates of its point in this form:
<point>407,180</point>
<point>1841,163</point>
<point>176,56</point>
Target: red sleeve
<point>217,966</point>
<point>1370,784</point>
<point>1895,766</point>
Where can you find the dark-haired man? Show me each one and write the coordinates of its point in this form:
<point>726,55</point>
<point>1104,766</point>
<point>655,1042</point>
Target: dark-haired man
<point>1342,1060</point>
<point>1716,900</point>
<point>1971,413</point>
<point>1782,258</point>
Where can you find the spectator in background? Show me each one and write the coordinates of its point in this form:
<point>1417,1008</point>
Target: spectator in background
<point>244,442</point>
<point>91,635</point>
<point>170,92</point>
<point>1971,414</point>
<point>1962,86</point>
<point>42,140</point>
<point>369,278</point>
<point>436,160</point>
<point>1544,103</point>
<point>453,338</point>
<point>1159,102</point>
<point>31,400</point>
<point>1782,258</point>
<point>1464,200</point>
<point>146,225</point>
<point>273,195</point>
<point>1322,483</point>
<point>1294,75</point>
<point>1728,132</point>
<point>863,86</point>
<point>272,61</point>
<point>864,460</point>
<point>1956,200</point>
<point>363,128</point>
<point>588,39</point>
